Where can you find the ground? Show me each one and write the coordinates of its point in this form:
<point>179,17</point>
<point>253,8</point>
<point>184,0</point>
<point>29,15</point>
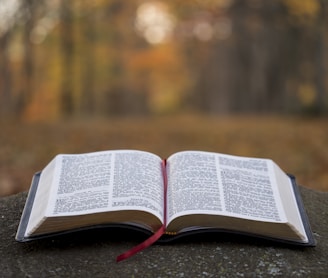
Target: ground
<point>298,145</point>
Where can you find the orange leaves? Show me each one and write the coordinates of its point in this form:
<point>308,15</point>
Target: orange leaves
<point>303,8</point>
<point>160,58</point>
<point>162,70</point>
<point>304,12</point>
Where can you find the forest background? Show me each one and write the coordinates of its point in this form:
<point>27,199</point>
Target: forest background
<point>241,77</point>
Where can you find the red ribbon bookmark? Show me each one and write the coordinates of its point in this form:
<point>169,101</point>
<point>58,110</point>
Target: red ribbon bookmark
<point>149,241</point>
<point>152,239</point>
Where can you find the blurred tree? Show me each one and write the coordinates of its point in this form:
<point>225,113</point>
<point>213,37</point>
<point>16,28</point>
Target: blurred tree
<point>67,52</point>
<point>321,58</point>
<point>120,97</point>
<point>242,68</point>
<point>25,96</point>
<point>9,12</point>
<point>141,57</point>
<point>88,59</point>
<point>5,75</point>
<point>308,18</point>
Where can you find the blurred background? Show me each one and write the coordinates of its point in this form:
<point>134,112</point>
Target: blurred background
<point>247,77</point>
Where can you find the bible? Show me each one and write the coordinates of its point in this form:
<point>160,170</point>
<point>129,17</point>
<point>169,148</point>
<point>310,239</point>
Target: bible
<point>189,192</point>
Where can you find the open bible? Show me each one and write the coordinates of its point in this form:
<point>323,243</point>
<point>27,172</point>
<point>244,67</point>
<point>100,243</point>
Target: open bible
<point>191,191</point>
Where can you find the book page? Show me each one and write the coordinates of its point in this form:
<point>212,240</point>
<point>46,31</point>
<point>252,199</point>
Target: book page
<point>138,182</point>
<point>210,183</point>
<point>193,184</point>
<point>250,188</point>
<point>107,181</point>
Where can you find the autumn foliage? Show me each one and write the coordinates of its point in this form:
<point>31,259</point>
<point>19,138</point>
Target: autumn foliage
<point>63,59</point>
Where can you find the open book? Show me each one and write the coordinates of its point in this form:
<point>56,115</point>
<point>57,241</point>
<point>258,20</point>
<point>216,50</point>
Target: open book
<point>191,191</point>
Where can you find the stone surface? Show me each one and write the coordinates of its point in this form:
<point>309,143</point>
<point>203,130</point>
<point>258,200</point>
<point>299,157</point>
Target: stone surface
<point>92,254</point>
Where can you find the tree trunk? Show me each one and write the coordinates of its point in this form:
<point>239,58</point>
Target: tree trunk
<point>67,51</point>
<point>89,64</point>
<point>5,77</point>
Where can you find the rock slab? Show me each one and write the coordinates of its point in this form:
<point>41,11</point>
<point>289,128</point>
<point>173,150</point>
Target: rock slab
<point>92,254</point>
